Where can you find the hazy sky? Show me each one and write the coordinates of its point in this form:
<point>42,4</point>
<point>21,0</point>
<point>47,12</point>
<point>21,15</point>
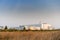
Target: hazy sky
<point>20,12</point>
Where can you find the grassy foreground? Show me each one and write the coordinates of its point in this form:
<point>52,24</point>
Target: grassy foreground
<point>30,35</point>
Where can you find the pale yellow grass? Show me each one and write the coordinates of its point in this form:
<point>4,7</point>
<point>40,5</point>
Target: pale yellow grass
<point>30,35</point>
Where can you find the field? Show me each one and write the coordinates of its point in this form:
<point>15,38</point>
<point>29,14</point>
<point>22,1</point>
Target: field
<point>30,35</point>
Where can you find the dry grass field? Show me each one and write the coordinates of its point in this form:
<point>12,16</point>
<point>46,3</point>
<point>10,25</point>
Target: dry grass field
<point>30,35</point>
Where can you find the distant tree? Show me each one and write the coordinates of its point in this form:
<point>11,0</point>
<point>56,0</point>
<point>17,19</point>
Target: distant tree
<point>6,27</point>
<point>24,28</point>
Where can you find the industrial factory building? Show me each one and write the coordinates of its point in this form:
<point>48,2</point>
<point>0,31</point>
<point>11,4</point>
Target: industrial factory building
<point>43,26</point>
<point>46,26</point>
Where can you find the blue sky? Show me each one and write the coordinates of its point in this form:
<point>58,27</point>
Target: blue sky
<point>20,12</point>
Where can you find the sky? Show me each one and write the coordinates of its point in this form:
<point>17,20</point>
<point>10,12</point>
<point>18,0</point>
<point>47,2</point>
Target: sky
<point>24,12</point>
